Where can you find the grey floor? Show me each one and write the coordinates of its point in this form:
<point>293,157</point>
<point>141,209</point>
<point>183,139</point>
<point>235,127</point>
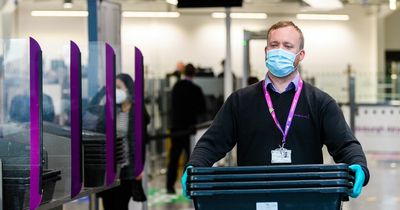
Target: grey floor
<point>382,192</point>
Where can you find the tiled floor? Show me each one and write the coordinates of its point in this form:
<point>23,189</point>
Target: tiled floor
<point>382,192</point>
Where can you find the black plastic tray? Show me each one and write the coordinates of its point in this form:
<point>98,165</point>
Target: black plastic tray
<point>94,175</point>
<point>269,184</point>
<point>98,141</point>
<point>96,162</point>
<point>284,199</point>
<point>89,135</point>
<point>16,196</point>
<point>101,147</point>
<point>25,173</point>
<point>268,169</point>
<point>269,176</point>
<point>100,155</point>
<point>13,149</point>
<point>100,161</point>
<point>55,129</point>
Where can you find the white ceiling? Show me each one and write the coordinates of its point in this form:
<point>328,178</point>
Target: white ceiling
<point>271,7</point>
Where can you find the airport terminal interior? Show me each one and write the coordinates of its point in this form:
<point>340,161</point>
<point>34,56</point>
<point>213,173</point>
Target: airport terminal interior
<point>65,144</point>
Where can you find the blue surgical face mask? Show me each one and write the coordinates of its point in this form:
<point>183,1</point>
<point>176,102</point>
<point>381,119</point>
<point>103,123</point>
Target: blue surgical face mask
<point>280,62</point>
<point>120,96</point>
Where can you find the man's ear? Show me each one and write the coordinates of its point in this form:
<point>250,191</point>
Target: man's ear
<point>302,55</point>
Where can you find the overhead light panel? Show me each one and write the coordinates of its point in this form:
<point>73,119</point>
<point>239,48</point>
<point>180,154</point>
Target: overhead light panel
<point>48,13</point>
<point>240,15</point>
<point>325,4</point>
<point>151,14</point>
<point>68,4</point>
<point>392,4</point>
<point>322,17</point>
<point>173,2</point>
<point>209,3</point>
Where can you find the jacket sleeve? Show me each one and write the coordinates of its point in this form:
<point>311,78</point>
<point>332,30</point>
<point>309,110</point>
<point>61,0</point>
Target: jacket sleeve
<point>219,139</point>
<point>340,140</point>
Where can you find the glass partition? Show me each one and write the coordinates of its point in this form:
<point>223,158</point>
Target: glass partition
<point>94,114</point>
<point>20,125</point>
<point>58,112</point>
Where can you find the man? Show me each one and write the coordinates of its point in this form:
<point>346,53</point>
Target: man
<point>187,105</point>
<point>180,67</point>
<point>281,120</point>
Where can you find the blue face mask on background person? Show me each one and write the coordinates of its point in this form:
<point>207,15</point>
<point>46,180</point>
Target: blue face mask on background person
<point>280,62</point>
<point>120,96</point>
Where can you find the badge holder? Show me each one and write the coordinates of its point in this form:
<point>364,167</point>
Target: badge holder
<point>281,155</point>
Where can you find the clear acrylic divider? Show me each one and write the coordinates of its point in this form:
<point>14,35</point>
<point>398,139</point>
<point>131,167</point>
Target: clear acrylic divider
<point>94,114</point>
<point>57,116</point>
<point>20,123</point>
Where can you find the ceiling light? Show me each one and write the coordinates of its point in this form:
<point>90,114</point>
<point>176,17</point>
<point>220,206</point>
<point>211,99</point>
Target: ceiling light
<point>67,4</point>
<point>240,15</point>
<point>393,4</point>
<point>393,76</point>
<point>173,2</point>
<point>325,4</point>
<point>151,14</point>
<point>322,17</point>
<point>49,13</point>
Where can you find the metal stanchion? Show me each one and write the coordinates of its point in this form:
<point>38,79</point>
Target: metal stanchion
<point>93,202</point>
<point>146,179</point>
<point>352,98</point>
<point>1,185</point>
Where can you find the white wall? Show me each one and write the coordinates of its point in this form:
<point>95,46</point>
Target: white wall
<point>392,31</point>
<point>52,33</point>
<point>330,45</point>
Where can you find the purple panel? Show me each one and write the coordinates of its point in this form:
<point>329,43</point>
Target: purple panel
<point>76,120</point>
<point>139,127</point>
<point>36,122</point>
<point>110,116</point>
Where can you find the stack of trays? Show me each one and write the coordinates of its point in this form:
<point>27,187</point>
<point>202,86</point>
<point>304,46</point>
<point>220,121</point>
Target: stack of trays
<point>280,187</point>
<point>94,150</point>
<point>16,184</point>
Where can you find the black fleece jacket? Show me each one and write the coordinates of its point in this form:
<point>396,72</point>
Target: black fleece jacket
<point>244,120</point>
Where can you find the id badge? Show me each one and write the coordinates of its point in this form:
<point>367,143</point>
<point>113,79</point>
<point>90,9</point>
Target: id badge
<point>281,155</point>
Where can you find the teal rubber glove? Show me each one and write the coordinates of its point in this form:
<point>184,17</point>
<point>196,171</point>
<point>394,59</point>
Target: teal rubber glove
<point>184,182</point>
<point>359,180</point>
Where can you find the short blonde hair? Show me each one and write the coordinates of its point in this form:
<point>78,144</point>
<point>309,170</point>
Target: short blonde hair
<point>283,24</point>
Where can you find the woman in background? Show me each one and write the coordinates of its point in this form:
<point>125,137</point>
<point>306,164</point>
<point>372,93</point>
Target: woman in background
<point>130,186</point>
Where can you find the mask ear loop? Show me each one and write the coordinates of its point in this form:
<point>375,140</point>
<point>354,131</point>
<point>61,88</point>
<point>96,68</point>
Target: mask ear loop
<point>295,68</point>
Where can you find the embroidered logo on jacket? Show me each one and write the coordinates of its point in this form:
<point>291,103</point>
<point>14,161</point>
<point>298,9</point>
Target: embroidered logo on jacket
<point>307,116</point>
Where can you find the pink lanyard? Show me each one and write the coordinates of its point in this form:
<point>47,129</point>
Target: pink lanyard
<point>291,112</point>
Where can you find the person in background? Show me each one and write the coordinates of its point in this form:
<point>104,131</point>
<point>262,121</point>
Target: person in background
<point>222,73</point>
<point>20,112</point>
<point>118,197</point>
<point>180,67</point>
<point>282,119</point>
<point>252,80</point>
<point>188,104</point>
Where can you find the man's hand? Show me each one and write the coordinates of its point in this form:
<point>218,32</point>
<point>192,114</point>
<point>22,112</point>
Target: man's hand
<point>359,180</point>
<point>184,182</point>
<point>138,178</point>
